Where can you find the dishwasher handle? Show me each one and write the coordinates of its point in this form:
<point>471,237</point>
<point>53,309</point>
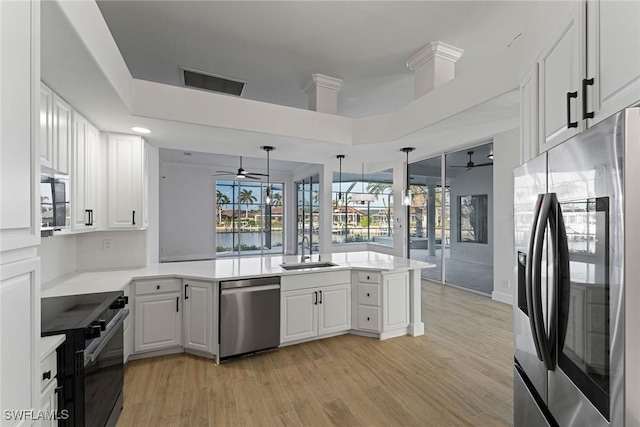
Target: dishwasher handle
<point>231,284</point>
<point>249,289</point>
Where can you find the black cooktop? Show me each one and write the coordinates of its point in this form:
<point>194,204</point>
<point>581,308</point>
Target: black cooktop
<point>70,312</point>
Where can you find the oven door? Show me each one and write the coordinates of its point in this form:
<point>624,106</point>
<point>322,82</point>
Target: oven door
<point>104,375</point>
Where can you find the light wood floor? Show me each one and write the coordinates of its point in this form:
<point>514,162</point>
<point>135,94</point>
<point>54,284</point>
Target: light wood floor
<point>458,374</point>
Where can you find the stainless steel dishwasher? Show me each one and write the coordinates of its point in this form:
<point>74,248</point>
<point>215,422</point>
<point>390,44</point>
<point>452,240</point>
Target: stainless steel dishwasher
<point>249,315</point>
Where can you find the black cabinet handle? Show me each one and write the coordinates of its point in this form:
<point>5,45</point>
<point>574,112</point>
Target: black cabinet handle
<point>367,277</point>
<point>320,297</point>
<point>91,213</point>
<point>88,216</point>
<point>157,286</point>
<point>315,298</point>
<point>46,375</point>
<point>585,83</point>
<point>134,217</point>
<point>368,319</point>
<point>177,304</point>
<point>186,288</point>
<point>368,294</point>
<point>570,95</point>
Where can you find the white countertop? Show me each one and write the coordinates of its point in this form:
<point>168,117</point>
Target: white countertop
<point>222,269</point>
<point>49,344</point>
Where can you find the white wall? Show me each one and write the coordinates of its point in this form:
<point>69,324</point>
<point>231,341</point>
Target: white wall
<point>476,181</point>
<point>153,205</point>
<point>57,256</point>
<point>506,150</point>
<point>187,212</point>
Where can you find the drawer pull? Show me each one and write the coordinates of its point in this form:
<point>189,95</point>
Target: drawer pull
<point>46,375</point>
<point>368,278</point>
<point>368,319</point>
<point>158,287</point>
<point>368,294</point>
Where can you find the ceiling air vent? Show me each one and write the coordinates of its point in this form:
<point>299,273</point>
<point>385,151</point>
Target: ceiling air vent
<point>211,82</point>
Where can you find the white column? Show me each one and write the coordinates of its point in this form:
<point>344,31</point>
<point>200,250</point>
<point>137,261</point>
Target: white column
<point>323,93</point>
<point>433,66</point>
<point>416,326</point>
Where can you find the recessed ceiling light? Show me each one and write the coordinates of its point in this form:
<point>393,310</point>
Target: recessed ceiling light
<point>140,129</point>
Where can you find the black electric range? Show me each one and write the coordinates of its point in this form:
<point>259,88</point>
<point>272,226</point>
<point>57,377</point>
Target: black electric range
<point>91,360</point>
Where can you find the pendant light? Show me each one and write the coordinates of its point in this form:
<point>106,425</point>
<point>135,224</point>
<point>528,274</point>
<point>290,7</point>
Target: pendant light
<point>340,157</point>
<point>267,200</point>
<point>363,197</point>
<point>406,193</point>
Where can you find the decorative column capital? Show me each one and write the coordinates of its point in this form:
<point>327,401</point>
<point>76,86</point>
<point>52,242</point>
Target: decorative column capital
<point>320,80</point>
<point>434,50</point>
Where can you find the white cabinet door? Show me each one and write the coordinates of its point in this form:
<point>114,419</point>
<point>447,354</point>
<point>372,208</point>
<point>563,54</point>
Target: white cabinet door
<point>126,182</point>
<point>158,321</point>
<point>334,305</point>
<point>613,56</point>
<point>79,214</point>
<point>561,71</point>
<point>20,118</point>
<point>62,134</point>
<point>46,126</point>
<point>49,404</point>
<point>92,171</point>
<point>198,316</point>
<point>299,318</point>
<point>19,356</point>
<point>395,301</point>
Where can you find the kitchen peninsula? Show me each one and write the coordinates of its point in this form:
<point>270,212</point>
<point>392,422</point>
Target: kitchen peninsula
<point>380,298</point>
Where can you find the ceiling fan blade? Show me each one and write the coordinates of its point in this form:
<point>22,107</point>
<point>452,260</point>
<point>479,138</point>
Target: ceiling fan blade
<point>256,174</point>
<point>457,166</point>
<point>483,164</point>
<point>227,172</point>
<point>251,177</point>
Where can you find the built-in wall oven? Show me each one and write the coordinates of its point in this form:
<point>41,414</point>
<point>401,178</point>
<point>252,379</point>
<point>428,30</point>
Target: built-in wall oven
<point>91,360</point>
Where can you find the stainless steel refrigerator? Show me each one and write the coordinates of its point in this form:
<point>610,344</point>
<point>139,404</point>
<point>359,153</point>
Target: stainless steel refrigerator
<point>577,299</point>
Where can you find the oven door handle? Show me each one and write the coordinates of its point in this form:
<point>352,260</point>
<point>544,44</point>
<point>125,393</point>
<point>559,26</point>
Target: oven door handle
<point>93,350</point>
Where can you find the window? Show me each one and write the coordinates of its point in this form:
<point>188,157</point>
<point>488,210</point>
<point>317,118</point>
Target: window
<point>308,214</point>
<point>244,224</point>
<point>364,221</point>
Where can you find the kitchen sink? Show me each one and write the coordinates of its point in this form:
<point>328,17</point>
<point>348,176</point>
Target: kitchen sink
<point>304,265</point>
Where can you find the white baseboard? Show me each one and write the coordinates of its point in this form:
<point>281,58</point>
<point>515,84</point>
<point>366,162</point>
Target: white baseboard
<point>502,297</point>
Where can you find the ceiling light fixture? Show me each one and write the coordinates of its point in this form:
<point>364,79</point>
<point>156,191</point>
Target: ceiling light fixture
<point>406,193</point>
<point>140,129</point>
<point>267,199</point>
<point>340,157</point>
<point>363,197</point>
<point>490,156</point>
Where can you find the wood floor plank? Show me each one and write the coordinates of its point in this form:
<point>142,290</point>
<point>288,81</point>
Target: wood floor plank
<point>458,374</point>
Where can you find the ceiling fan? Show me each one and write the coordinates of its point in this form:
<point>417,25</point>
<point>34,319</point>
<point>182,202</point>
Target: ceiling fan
<point>241,173</point>
<point>470,164</point>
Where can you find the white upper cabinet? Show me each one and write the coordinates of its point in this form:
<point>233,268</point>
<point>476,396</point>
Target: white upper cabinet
<point>560,76</point>
<point>46,126</point>
<point>613,57</point>
<point>84,174</point>
<point>62,134</point>
<point>589,71</point>
<point>126,182</point>
<point>19,132</point>
<point>56,131</point>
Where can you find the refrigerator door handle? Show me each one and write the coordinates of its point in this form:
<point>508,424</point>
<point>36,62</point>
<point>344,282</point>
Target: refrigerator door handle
<point>536,316</point>
<point>528,275</point>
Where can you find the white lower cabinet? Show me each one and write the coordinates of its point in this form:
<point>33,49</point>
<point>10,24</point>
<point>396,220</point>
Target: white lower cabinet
<point>49,387</point>
<point>158,314</point>
<point>128,322</point>
<point>381,301</point>
<point>312,312</point>
<point>200,332</point>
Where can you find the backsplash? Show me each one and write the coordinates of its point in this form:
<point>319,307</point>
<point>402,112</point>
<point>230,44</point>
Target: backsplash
<point>112,249</point>
<point>58,256</point>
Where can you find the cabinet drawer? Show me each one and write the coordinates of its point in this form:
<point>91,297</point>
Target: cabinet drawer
<point>368,294</point>
<point>158,286</point>
<point>369,318</point>
<point>369,277</point>
<point>48,370</point>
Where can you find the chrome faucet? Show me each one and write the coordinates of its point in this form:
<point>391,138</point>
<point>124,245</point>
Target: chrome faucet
<point>304,257</point>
